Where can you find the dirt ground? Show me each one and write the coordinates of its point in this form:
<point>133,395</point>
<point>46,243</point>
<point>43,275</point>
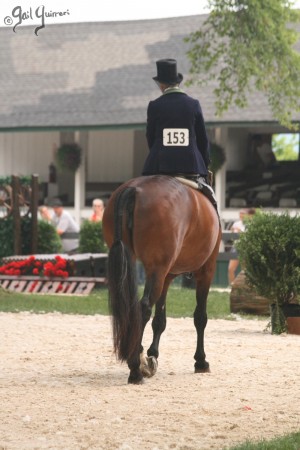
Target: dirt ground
<point>62,388</point>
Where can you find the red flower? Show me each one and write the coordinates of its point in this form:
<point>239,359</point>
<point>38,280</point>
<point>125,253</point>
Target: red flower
<point>29,266</point>
<point>61,273</point>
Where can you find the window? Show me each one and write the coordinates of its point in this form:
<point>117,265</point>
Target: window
<point>286,146</point>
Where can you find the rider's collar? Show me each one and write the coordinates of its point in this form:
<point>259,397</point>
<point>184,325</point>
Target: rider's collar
<point>172,89</point>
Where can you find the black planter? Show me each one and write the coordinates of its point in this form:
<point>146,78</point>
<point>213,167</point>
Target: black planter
<point>280,317</point>
<point>291,310</point>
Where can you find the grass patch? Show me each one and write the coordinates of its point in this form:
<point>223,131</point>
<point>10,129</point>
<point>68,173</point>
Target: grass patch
<point>181,302</point>
<point>95,303</point>
<point>288,442</point>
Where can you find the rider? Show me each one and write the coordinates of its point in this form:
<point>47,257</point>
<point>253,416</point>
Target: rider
<point>176,132</point>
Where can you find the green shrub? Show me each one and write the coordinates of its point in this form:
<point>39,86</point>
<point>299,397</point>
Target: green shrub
<point>269,251</point>
<point>6,237</point>
<point>26,235</point>
<point>48,239</point>
<point>91,238</point>
<point>24,180</point>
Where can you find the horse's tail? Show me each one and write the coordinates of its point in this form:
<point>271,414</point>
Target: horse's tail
<point>123,300</point>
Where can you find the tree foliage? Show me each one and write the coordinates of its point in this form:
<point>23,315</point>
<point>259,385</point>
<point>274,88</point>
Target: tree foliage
<point>285,147</point>
<point>247,45</point>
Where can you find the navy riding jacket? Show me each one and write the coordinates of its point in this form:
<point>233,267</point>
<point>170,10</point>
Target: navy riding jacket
<point>176,136</point>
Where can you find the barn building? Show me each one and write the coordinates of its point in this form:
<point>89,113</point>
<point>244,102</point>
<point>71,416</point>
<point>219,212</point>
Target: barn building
<point>90,83</point>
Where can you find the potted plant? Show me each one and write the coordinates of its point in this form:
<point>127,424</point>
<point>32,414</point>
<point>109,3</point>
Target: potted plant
<point>218,157</point>
<point>68,156</point>
<point>269,251</point>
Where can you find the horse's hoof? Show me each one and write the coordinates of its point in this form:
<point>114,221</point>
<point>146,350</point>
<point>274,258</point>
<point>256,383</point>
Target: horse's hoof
<point>153,364</point>
<point>136,382</point>
<point>149,366</point>
<point>203,368</point>
<point>139,380</point>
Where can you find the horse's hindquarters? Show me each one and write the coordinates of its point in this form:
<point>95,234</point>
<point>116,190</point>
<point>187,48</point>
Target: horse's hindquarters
<point>171,229</point>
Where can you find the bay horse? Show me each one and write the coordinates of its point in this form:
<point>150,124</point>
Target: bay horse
<point>172,229</point>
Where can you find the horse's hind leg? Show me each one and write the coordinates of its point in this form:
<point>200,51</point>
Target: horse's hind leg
<point>200,321</point>
<point>156,287</point>
<point>203,280</point>
<point>152,291</point>
<point>134,363</point>
<point>159,319</point>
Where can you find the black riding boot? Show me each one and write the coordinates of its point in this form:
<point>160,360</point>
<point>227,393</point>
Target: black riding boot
<point>207,190</point>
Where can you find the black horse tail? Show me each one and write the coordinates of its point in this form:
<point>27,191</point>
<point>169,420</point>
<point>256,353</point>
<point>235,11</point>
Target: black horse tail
<point>123,297</point>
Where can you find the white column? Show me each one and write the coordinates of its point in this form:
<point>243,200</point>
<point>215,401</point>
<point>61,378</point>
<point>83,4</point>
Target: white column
<point>220,182</point>
<point>220,187</point>
<point>81,138</point>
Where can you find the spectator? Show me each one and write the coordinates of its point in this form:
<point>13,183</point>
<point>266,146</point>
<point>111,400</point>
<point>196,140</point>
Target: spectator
<point>265,152</point>
<point>45,214</point>
<point>238,227</point>
<point>98,210</point>
<point>64,223</point>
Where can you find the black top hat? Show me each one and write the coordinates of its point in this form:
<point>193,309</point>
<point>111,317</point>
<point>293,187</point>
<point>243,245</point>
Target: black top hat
<point>167,72</point>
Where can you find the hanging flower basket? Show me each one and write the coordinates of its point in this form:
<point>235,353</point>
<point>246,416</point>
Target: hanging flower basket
<point>217,155</point>
<point>68,157</point>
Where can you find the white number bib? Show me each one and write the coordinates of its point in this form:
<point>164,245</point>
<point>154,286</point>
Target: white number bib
<point>176,137</point>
